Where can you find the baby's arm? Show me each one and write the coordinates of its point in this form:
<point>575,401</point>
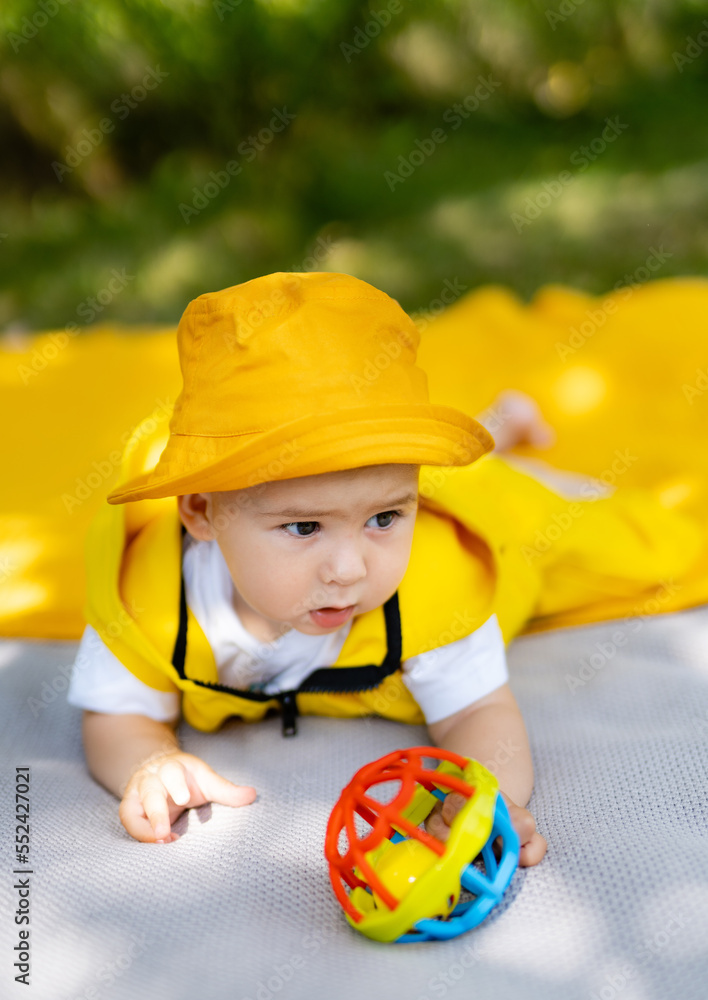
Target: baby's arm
<point>492,731</point>
<point>140,761</point>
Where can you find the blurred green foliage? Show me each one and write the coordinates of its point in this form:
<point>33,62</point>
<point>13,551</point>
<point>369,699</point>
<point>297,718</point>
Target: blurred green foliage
<point>120,121</point>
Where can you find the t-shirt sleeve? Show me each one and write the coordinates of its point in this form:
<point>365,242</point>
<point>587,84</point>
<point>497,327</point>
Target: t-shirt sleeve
<point>451,677</point>
<point>101,683</point>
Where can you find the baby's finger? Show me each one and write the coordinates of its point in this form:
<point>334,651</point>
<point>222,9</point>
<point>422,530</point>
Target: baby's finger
<point>452,805</point>
<point>154,801</point>
<point>171,774</point>
<point>524,824</point>
<point>132,816</point>
<point>219,789</point>
<point>532,851</point>
<point>435,825</point>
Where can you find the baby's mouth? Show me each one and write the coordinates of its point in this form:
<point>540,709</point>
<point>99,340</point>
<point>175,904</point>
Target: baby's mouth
<point>332,615</point>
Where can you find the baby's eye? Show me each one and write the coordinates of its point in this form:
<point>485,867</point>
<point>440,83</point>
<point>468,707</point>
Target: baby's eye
<point>393,514</point>
<point>311,526</point>
<point>299,524</point>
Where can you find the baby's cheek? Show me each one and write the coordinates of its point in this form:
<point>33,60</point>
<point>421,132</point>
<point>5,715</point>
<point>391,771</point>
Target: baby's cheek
<point>297,596</point>
<point>385,578</point>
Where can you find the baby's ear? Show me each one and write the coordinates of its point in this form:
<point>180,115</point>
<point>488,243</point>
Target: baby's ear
<point>193,511</point>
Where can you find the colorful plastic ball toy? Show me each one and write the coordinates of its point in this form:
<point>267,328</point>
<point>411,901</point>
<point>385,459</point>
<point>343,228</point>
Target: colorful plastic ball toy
<point>397,882</point>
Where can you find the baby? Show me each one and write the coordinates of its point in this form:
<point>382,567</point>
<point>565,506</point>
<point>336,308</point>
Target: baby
<point>284,580</point>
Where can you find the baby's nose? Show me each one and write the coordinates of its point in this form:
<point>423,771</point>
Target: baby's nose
<point>345,568</point>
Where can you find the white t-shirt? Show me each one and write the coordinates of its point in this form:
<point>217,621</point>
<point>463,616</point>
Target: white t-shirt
<point>442,681</point>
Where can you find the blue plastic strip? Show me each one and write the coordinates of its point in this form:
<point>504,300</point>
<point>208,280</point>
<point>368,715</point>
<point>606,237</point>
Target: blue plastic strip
<point>488,888</point>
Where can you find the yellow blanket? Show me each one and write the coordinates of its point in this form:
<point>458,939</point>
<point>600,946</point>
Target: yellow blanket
<point>623,378</point>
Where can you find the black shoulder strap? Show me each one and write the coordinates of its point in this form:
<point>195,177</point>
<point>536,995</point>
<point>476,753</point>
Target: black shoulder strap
<point>329,680</point>
<point>180,651</point>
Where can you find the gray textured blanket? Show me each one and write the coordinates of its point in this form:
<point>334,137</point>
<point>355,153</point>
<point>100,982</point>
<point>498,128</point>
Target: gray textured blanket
<point>241,907</point>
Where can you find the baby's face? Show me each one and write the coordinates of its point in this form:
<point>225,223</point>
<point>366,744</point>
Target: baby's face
<point>340,539</point>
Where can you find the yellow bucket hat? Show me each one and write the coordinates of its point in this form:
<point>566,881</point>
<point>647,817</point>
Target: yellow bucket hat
<point>296,374</point>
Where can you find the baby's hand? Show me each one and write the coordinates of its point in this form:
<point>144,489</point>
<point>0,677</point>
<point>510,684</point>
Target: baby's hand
<point>533,845</point>
<point>162,788</point>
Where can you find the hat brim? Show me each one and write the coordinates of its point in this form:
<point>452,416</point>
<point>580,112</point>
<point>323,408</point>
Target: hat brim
<point>425,434</point>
